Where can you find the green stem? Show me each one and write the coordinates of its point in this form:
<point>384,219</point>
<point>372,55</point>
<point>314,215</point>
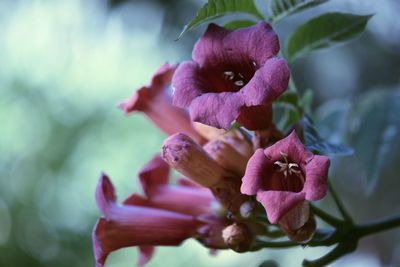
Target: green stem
<point>347,236</point>
<point>340,250</point>
<point>339,204</point>
<point>326,217</point>
<point>378,226</point>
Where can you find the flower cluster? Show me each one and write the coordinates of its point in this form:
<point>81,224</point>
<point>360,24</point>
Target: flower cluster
<point>234,77</point>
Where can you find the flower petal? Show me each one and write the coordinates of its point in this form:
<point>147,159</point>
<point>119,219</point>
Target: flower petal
<point>209,49</point>
<point>278,203</point>
<point>105,194</point>
<point>292,146</point>
<point>267,84</point>
<point>140,98</point>
<point>155,102</point>
<point>137,200</point>
<point>219,45</point>
<point>255,117</point>
<point>133,224</point>
<point>153,175</point>
<point>137,226</point>
<point>253,178</point>
<point>316,171</point>
<point>257,43</point>
<point>159,194</point>
<point>187,84</point>
<point>216,109</point>
<point>145,254</point>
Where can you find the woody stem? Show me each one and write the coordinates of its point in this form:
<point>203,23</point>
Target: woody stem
<point>335,222</point>
<point>378,226</point>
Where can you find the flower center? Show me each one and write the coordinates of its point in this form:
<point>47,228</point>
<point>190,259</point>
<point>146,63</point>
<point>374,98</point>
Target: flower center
<point>236,78</point>
<point>289,169</point>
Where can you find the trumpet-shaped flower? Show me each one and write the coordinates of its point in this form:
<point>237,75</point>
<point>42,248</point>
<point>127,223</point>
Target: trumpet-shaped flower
<point>184,198</point>
<point>155,102</point>
<point>284,177</point>
<point>234,75</point>
<point>135,225</point>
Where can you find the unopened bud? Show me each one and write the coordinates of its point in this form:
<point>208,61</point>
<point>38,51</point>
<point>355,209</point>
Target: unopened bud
<point>240,144</point>
<point>208,132</point>
<point>210,234</point>
<point>246,209</point>
<point>238,237</point>
<point>218,209</point>
<point>190,159</point>
<point>226,156</point>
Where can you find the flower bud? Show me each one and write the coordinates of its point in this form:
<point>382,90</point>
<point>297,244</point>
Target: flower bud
<point>190,159</point>
<point>226,156</point>
<point>246,209</point>
<point>208,132</point>
<point>240,144</point>
<point>210,234</point>
<point>238,237</point>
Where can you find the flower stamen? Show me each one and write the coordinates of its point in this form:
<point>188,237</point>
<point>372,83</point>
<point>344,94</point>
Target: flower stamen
<point>239,83</point>
<point>230,75</point>
<point>289,168</point>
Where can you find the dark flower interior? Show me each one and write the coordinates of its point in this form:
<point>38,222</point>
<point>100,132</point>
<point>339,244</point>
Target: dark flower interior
<point>284,175</point>
<point>227,77</point>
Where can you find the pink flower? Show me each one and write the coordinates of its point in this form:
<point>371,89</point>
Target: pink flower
<point>156,103</point>
<point>134,225</point>
<point>185,197</point>
<point>234,75</point>
<point>284,176</point>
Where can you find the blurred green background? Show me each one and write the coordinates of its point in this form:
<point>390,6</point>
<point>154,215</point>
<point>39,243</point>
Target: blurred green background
<point>64,67</point>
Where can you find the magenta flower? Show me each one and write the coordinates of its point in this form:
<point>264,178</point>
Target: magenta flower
<point>185,197</point>
<point>156,103</point>
<point>135,225</point>
<point>234,75</point>
<point>284,176</point>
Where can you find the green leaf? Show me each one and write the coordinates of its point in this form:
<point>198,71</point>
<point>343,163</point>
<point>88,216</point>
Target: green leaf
<point>325,31</point>
<point>294,106</point>
<point>289,97</point>
<point>333,119</point>
<point>236,24</point>
<point>217,8</point>
<point>306,101</point>
<point>279,9</point>
<point>376,142</point>
<point>314,142</point>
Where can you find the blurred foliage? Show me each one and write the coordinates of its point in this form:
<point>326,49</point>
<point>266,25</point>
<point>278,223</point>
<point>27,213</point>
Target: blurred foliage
<point>372,126</point>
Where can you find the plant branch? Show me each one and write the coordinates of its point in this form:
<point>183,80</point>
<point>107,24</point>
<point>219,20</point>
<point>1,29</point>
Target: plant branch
<point>339,204</point>
<point>378,226</point>
<point>326,217</point>
<point>340,250</point>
